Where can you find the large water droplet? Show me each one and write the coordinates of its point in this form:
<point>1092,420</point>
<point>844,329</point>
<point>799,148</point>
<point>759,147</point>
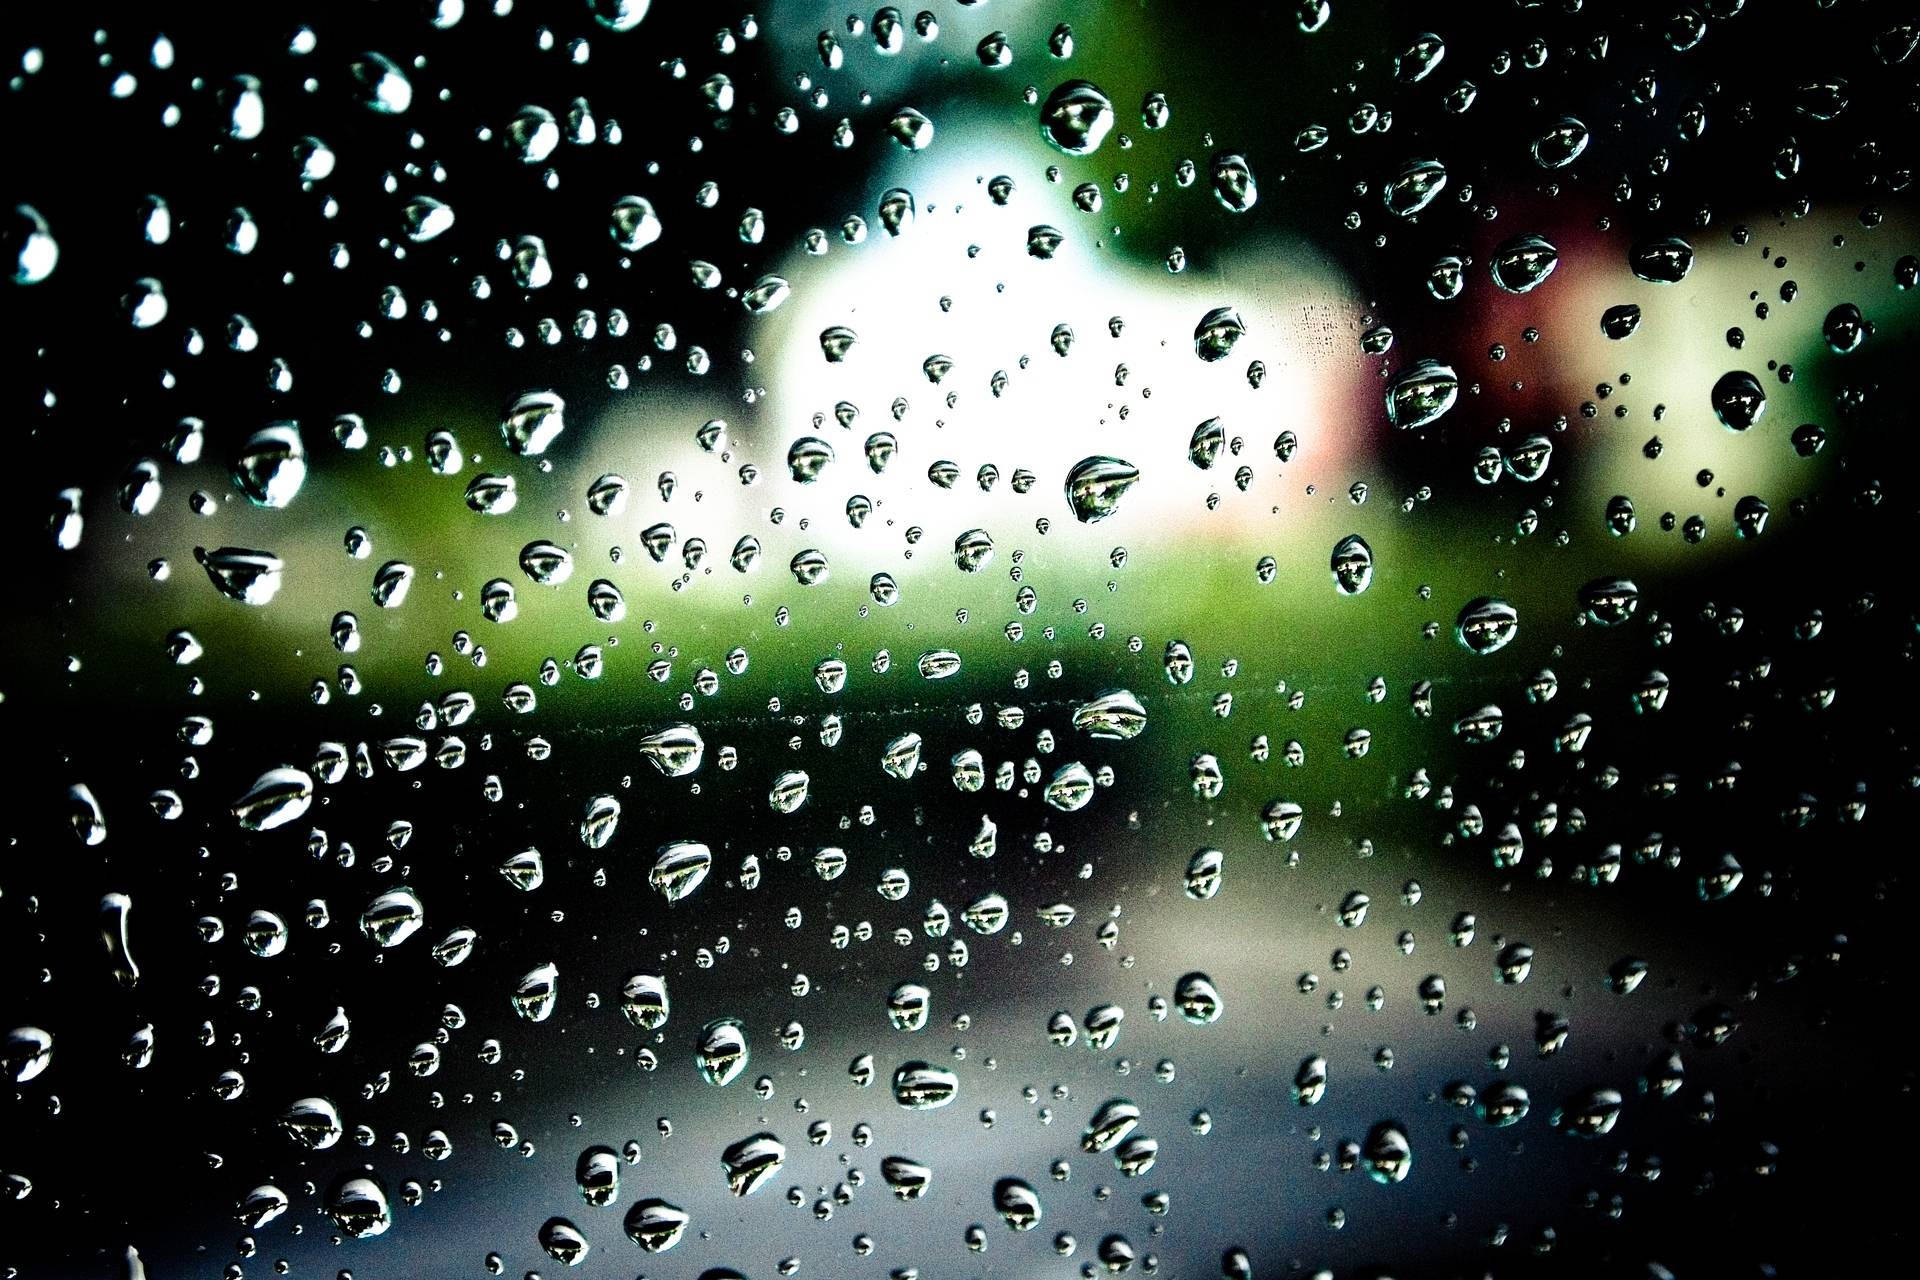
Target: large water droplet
<point>1114,714</point>
<point>250,577</point>
<point>272,465</point>
<point>679,868</point>
<point>1738,400</point>
<point>538,990</point>
<point>1421,394</point>
<point>277,797</point>
<point>1561,143</point>
<point>633,223</point>
<point>1416,186</point>
<point>30,246</point>
<point>720,1052</point>
<point>1076,117</point>
<point>533,422</point>
<point>655,1225</point>
<point>393,917</point>
<point>1486,625</point>
<point>358,1206</point>
<point>1523,263</point>
<point>1352,565</point>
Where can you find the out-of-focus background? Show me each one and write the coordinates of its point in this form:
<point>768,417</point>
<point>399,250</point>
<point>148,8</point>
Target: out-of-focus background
<point>1600,777</point>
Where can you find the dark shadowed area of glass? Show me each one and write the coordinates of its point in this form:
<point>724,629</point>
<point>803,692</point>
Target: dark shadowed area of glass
<point>1234,640</point>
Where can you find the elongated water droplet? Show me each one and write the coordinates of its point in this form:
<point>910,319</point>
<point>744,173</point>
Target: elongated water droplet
<point>1561,143</point>
<point>1233,184</point>
<point>1522,264</point>
<point>1116,1119</point>
<point>675,751</point>
<point>919,1086</point>
<point>1114,714</point>
<point>25,1054</point>
<point>1661,261</point>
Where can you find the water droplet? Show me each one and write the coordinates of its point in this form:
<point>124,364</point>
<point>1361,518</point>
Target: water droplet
<point>563,1242</point>
<point>1076,118</point>
<point>1233,184</point>
<point>30,245</point>
<point>313,1123</point>
<point>1115,714</point>
<point>1414,187</point>
<point>533,422</point>
<point>1017,1203</point>
<point>1561,143</point>
<point>1661,261</point>
<point>1421,394</point>
<point>1352,565</point>
<point>1486,625</point>
<point>277,797</point>
<point>1523,263</point>
<point>358,1206</point>
<point>1214,337</point>
<point>25,1054</point>
<point>1197,1000</point>
<point>1621,321</point>
<point>655,1225</point>
<point>393,917</point>
<point>720,1051</point>
<point>679,868</point>
<point>537,992</point>
<point>381,85</point>
<point>919,1086</point>
<point>1589,1114</point>
<point>1738,400</point>
<point>1388,1155</point>
<point>250,577</point>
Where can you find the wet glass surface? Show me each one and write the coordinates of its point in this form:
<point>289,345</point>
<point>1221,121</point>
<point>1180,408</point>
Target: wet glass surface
<point>1022,639</point>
